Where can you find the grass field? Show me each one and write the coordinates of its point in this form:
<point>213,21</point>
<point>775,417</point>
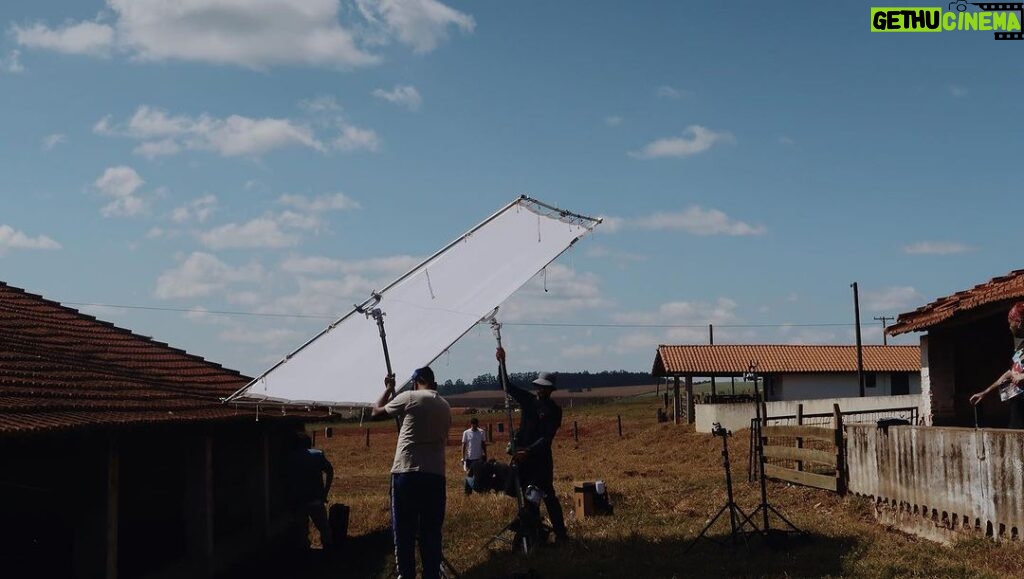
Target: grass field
<point>665,482</point>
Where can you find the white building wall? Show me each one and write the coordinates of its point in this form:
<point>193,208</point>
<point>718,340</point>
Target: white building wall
<point>819,386</point>
<point>925,383</point>
<point>737,416</point>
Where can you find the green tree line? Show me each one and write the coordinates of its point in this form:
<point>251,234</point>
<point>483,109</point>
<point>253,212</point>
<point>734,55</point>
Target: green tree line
<point>572,381</point>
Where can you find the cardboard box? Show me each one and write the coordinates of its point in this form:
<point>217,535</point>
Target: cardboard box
<point>584,499</point>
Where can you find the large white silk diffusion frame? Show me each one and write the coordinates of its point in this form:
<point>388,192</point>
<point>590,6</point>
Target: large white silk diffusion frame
<point>425,311</point>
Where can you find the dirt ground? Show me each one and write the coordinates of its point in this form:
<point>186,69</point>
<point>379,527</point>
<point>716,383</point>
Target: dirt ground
<point>666,482</point>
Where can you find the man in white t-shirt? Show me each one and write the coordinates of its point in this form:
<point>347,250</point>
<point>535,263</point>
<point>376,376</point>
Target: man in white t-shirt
<point>474,448</point>
<point>417,475</point>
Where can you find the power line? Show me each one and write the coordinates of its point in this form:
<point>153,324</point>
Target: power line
<point>570,325</point>
<point>525,324</point>
<point>200,311</point>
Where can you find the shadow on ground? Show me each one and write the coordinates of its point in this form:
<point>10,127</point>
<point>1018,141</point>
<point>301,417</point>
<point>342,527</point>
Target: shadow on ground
<point>637,557</point>
<point>361,557</point>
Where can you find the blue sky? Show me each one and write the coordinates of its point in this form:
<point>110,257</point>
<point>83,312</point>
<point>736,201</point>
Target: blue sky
<point>752,159</point>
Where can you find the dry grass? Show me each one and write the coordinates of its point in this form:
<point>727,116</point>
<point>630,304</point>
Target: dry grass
<point>665,482</point>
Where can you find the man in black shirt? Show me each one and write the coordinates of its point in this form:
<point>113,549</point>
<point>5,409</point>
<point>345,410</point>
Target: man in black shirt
<point>541,418</point>
<point>310,475</point>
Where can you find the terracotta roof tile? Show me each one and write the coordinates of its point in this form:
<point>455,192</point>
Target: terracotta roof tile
<point>60,368</point>
<point>704,360</point>
<point>1005,288</point>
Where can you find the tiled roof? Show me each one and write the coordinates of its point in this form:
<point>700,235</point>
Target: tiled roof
<point>60,369</point>
<point>705,360</point>
<point>1007,288</point>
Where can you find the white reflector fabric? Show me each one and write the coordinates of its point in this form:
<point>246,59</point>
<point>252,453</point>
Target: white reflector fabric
<point>425,310</point>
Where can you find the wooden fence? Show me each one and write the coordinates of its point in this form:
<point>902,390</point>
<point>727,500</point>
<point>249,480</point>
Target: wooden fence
<point>807,455</point>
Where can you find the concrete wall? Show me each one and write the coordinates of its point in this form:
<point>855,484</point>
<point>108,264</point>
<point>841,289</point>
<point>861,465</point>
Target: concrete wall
<point>815,386</point>
<point>940,483</point>
<point>737,416</point>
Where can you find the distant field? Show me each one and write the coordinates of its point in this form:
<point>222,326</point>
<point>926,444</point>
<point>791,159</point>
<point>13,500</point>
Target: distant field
<point>666,481</point>
<point>488,398</point>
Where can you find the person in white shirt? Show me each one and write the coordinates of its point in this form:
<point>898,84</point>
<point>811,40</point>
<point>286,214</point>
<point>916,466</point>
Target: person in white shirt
<point>417,476</point>
<point>474,449</point>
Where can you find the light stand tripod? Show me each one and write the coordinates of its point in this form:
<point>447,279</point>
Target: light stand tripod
<point>527,530</point>
<point>737,519</point>
<point>765,507</point>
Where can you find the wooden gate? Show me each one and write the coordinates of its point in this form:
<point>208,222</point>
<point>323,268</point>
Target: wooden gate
<point>806,455</point>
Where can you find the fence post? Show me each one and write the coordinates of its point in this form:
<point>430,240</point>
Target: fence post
<point>367,438</point>
<point>619,416</point>
<point>799,439</point>
<point>575,431</point>
<point>314,439</point>
<point>837,417</point>
<point>490,432</point>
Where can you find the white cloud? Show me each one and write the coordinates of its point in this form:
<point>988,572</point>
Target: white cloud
<point>353,138</point>
<point>262,232</point>
<point>262,336</point>
<point>957,91</point>
<point>196,210</point>
<point>320,104</point>
<point>602,252</point>
<point>321,203</point>
<point>402,95</point>
<point>163,134</point>
<point>698,221</point>
<point>202,274</point>
<point>50,142</point>
<point>784,140</point>
<point>202,315</point>
<point>671,92</point>
<point>258,34</point>
<point>936,248</point>
<point>89,38</point>
<point>636,341</point>
<point>154,149</point>
<point>582,351</point>
<point>272,230</point>
<point>807,336</point>
<point>323,297</point>
<point>613,121</point>
<point>696,139</point>
<point>610,224</point>
<point>12,62</point>
<point>11,238</point>
<point>327,266</point>
<point>421,24</point>
<point>891,298</point>
<point>235,135</point>
<point>567,291</point>
<point>722,311</point>
<point>120,184</point>
<point>156,233</point>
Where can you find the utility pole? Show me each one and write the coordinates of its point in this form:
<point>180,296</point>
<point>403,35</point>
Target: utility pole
<point>884,319</point>
<point>860,351</point>
<point>711,341</point>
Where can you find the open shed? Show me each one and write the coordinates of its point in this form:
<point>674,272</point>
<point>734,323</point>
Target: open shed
<point>119,458</point>
<point>966,346</point>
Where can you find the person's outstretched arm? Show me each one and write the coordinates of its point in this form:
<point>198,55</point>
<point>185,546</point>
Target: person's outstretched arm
<point>518,394</point>
<point>1005,377</point>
